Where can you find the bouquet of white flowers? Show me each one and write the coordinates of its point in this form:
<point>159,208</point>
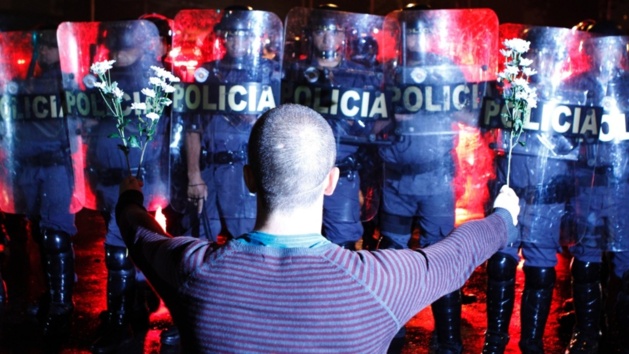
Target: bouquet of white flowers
<point>519,97</point>
<point>156,100</point>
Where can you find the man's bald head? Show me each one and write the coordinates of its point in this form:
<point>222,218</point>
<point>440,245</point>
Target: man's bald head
<point>291,152</point>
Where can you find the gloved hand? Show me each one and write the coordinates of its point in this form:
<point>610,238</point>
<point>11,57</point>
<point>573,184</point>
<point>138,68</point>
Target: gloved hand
<point>507,199</point>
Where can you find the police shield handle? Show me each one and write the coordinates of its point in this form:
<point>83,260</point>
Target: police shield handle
<point>507,199</point>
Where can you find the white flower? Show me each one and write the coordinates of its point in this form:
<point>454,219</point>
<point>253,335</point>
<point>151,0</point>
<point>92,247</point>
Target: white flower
<point>531,99</point>
<point>511,70</point>
<point>117,92</point>
<point>529,71</point>
<point>506,53</point>
<point>525,62</point>
<point>152,116</point>
<point>138,105</point>
<point>99,84</point>
<point>148,92</point>
<point>101,67</point>
<point>518,45</point>
<point>520,82</point>
<point>155,81</point>
<point>167,88</point>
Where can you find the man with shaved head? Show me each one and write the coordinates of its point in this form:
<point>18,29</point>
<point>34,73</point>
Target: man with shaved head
<point>283,286</point>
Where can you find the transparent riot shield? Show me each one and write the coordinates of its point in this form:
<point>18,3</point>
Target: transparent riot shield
<point>40,159</point>
<point>333,63</point>
<point>131,44</point>
<point>438,80</point>
<point>602,171</point>
<point>230,69</point>
<point>543,158</point>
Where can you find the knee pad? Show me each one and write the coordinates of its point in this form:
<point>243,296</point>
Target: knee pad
<point>117,258</point>
<point>55,241</point>
<point>539,277</point>
<point>585,272</point>
<point>501,267</point>
<point>395,224</point>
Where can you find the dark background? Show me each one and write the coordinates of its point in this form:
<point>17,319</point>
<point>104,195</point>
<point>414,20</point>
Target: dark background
<point>560,13</point>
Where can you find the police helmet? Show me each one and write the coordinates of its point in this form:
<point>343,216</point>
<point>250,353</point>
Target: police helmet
<point>47,38</point>
<point>415,20</point>
<point>325,21</point>
<point>601,27</point>
<point>163,24</point>
<point>329,6</point>
<point>128,35</point>
<point>548,40</point>
<point>416,6</point>
<point>366,45</point>
<point>235,21</point>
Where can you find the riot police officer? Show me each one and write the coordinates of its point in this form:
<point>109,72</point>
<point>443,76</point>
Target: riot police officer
<point>542,176</point>
<point>132,45</point>
<point>215,141</point>
<point>419,167</point>
<point>44,183</point>
<point>325,69</point>
<point>600,208</point>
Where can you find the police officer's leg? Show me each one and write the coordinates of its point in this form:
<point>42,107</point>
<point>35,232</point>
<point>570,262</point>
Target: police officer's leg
<point>501,270</point>
<point>120,298</point>
<point>587,299</point>
<point>436,222</point>
<point>58,263</point>
<point>341,213</point>
<point>539,281</point>
<point>395,231</point>
<point>57,226</point>
<point>4,238</point>
<point>620,261</point>
<point>236,204</point>
<point>396,217</point>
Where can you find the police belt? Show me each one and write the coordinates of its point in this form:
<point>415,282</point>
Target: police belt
<point>47,159</point>
<point>604,176</point>
<point>549,194</point>
<point>396,172</point>
<point>227,157</point>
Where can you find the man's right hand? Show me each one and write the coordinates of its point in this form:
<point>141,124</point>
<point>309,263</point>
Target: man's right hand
<point>507,199</point>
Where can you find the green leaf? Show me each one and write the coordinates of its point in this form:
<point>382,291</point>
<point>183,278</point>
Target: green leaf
<point>133,142</point>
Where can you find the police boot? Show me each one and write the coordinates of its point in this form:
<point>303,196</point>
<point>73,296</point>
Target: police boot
<point>501,271</point>
<point>120,299</point>
<point>58,263</point>
<point>3,288</point>
<point>146,302</point>
<point>536,300</point>
<point>447,315</point>
<point>622,315</point>
<point>587,300</point>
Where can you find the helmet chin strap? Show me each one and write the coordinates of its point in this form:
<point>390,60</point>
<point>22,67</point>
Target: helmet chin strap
<point>327,54</point>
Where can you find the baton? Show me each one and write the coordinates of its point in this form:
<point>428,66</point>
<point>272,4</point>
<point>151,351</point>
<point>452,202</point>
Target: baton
<point>206,222</point>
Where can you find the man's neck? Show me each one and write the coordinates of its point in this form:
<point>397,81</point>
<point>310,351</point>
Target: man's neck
<point>297,222</point>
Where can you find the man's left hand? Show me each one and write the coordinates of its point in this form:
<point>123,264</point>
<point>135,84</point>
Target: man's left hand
<point>131,183</point>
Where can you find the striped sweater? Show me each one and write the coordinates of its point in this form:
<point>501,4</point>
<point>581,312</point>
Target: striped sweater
<point>249,298</point>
